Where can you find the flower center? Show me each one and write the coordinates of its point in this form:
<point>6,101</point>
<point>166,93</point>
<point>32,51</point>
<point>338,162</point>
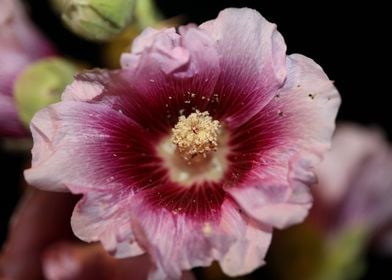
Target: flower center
<point>190,152</point>
<point>196,136</point>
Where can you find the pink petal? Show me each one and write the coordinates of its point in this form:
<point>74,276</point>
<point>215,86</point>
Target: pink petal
<point>249,251</point>
<point>276,190</point>
<point>105,216</point>
<point>252,61</point>
<point>177,242</point>
<point>41,219</point>
<point>164,45</point>
<point>172,73</point>
<point>279,205</point>
<point>81,90</point>
<point>94,138</point>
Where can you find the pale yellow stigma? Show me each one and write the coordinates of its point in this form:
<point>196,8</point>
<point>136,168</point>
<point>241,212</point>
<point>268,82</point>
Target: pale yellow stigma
<point>196,135</point>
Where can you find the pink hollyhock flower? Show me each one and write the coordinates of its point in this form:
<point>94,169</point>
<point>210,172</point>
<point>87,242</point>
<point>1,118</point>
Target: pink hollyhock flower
<point>20,44</point>
<point>195,150</point>
<point>355,180</point>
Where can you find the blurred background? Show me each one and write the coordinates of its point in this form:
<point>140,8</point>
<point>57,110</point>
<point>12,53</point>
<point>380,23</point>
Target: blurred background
<point>348,40</point>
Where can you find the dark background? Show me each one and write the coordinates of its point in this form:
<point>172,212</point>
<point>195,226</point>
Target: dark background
<point>349,41</point>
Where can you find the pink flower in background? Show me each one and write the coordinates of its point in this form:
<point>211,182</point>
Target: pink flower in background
<point>41,245</point>
<point>195,150</point>
<point>355,181</point>
<point>39,221</point>
<point>352,211</point>
<point>20,44</point>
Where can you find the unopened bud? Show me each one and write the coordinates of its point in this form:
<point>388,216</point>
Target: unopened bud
<point>98,20</point>
<point>41,84</point>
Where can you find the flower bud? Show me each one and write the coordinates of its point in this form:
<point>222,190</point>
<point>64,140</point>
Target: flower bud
<point>40,84</point>
<point>98,20</point>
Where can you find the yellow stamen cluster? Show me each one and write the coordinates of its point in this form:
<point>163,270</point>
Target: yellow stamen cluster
<point>196,135</point>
